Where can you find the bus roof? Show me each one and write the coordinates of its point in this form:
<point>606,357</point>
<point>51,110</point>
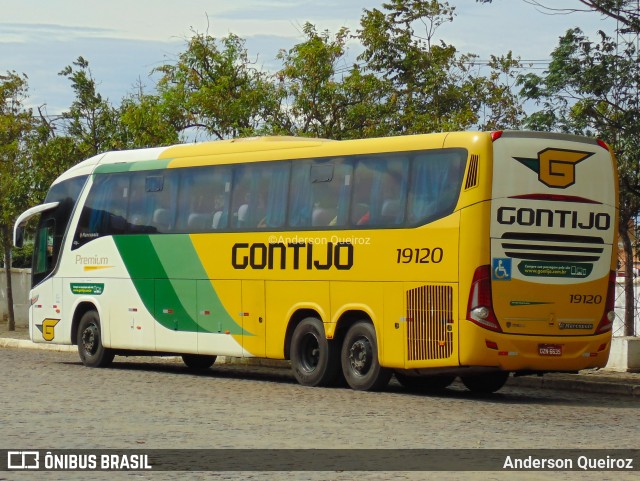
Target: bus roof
<point>245,149</point>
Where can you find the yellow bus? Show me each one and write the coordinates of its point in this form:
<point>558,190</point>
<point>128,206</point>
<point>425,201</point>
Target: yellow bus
<point>470,254</point>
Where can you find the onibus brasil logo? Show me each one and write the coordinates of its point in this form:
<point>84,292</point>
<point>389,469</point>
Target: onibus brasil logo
<point>556,168</point>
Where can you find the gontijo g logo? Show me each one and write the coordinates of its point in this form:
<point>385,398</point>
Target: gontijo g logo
<point>556,168</point>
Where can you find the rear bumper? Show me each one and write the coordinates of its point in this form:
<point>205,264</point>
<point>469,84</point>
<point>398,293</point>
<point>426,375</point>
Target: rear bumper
<point>512,352</point>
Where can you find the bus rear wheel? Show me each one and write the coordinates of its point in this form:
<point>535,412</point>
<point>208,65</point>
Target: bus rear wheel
<point>92,352</point>
<point>198,362</point>
<point>314,359</point>
<point>485,383</point>
<point>424,383</point>
<point>359,358</point>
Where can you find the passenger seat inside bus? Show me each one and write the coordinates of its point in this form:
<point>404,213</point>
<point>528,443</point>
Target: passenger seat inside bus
<point>162,220</point>
<point>199,222</point>
<point>390,212</point>
<point>322,216</point>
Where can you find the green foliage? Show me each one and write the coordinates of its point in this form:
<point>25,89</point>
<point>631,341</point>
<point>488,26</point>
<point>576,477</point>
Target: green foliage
<point>16,122</point>
<point>319,96</point>
<point>146,121</point>
<point>592,88</point>
<point>432,86</point>
<point>214,87</point>
<point>91,120</point>
<point>21,257</point>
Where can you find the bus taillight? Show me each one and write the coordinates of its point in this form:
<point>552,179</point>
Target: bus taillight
<point>480,306</point>
<point>609,313</point>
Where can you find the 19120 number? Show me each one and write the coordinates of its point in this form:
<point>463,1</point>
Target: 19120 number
<point>585,299</point>
<point>420,256</point>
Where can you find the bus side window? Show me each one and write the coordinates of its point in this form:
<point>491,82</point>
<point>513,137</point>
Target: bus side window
<point>203,203</point>
<point>161,193</point>
<point>151,202</point>
<point>301,195</point>
<point>379,191</point>
<point>105,209</point>
<point>275,182</point>
<point>140,208</point>
<point>436,178</point>
<point>260,195</point>
<point>44,248</point>
<point>320,193</point>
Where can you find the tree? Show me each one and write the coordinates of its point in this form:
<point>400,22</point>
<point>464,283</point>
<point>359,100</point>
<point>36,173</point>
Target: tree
<point>625,12</point>
<point>319,95</point>
<point>91,120</point>
<point>16,122</point>
<point>213,87</point>
<point>433,87</point>
<point>144,120</point>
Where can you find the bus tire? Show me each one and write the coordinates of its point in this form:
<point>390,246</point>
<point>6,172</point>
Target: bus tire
<point>92,352</point>
<point>314,359</point>
<point>198,362</point>
<point>424,383</point>
<point>359,357</point>
<point>485,383</point>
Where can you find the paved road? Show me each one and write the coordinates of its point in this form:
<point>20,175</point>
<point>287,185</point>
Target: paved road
<point>49,400</point>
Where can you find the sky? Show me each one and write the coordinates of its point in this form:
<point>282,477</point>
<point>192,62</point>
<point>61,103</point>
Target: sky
<point>123,40</point>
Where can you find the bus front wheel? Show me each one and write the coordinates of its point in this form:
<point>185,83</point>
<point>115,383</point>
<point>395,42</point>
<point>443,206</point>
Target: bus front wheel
<point>314,359</point>
<point>359,357</point>
<point>92,352</point>
<point>485,383</point>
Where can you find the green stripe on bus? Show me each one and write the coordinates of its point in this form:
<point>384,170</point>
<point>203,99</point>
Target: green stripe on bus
<point>155,164</point>
<point>181,283</point>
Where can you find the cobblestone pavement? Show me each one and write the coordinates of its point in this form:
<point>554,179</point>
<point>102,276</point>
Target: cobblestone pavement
<point>597,381</point>
<point>48,400</point>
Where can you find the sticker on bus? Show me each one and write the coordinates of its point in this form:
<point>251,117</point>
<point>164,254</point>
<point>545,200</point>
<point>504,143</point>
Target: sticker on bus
<point>555,269</point>
<point>501,270</point>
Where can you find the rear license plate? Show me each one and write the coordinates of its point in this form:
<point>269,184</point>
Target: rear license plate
<point>550,349</point>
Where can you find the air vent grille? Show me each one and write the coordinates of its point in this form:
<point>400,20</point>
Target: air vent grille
<point>472,172</point>
<point>429,318</point>
<point>552,247</point>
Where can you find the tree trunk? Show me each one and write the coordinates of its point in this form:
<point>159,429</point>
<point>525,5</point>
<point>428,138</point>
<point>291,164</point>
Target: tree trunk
<point>6,244</point>
<point>629,297</point>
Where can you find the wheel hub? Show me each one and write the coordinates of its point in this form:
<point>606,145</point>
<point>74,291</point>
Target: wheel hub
<point>310,353</point>
<point>360,356</point>
<point>90,339</point>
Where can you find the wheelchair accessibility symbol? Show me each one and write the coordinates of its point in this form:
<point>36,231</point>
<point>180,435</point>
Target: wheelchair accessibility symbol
<point>501,269</point>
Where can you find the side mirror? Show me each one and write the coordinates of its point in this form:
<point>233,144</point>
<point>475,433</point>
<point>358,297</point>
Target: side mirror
<point>18,227</point>
<point>18,236</point>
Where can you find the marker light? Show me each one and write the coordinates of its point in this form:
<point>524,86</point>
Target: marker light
<point>491,344</point>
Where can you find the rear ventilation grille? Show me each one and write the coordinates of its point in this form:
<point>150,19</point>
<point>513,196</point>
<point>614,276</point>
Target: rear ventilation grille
<point>429,318</point>
<point>552,247</point>
<point>472,173</point>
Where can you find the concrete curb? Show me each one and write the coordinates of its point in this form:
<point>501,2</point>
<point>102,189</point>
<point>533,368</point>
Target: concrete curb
<point>26,344</point>
<point>558,382</point>
<point>576,382</point>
